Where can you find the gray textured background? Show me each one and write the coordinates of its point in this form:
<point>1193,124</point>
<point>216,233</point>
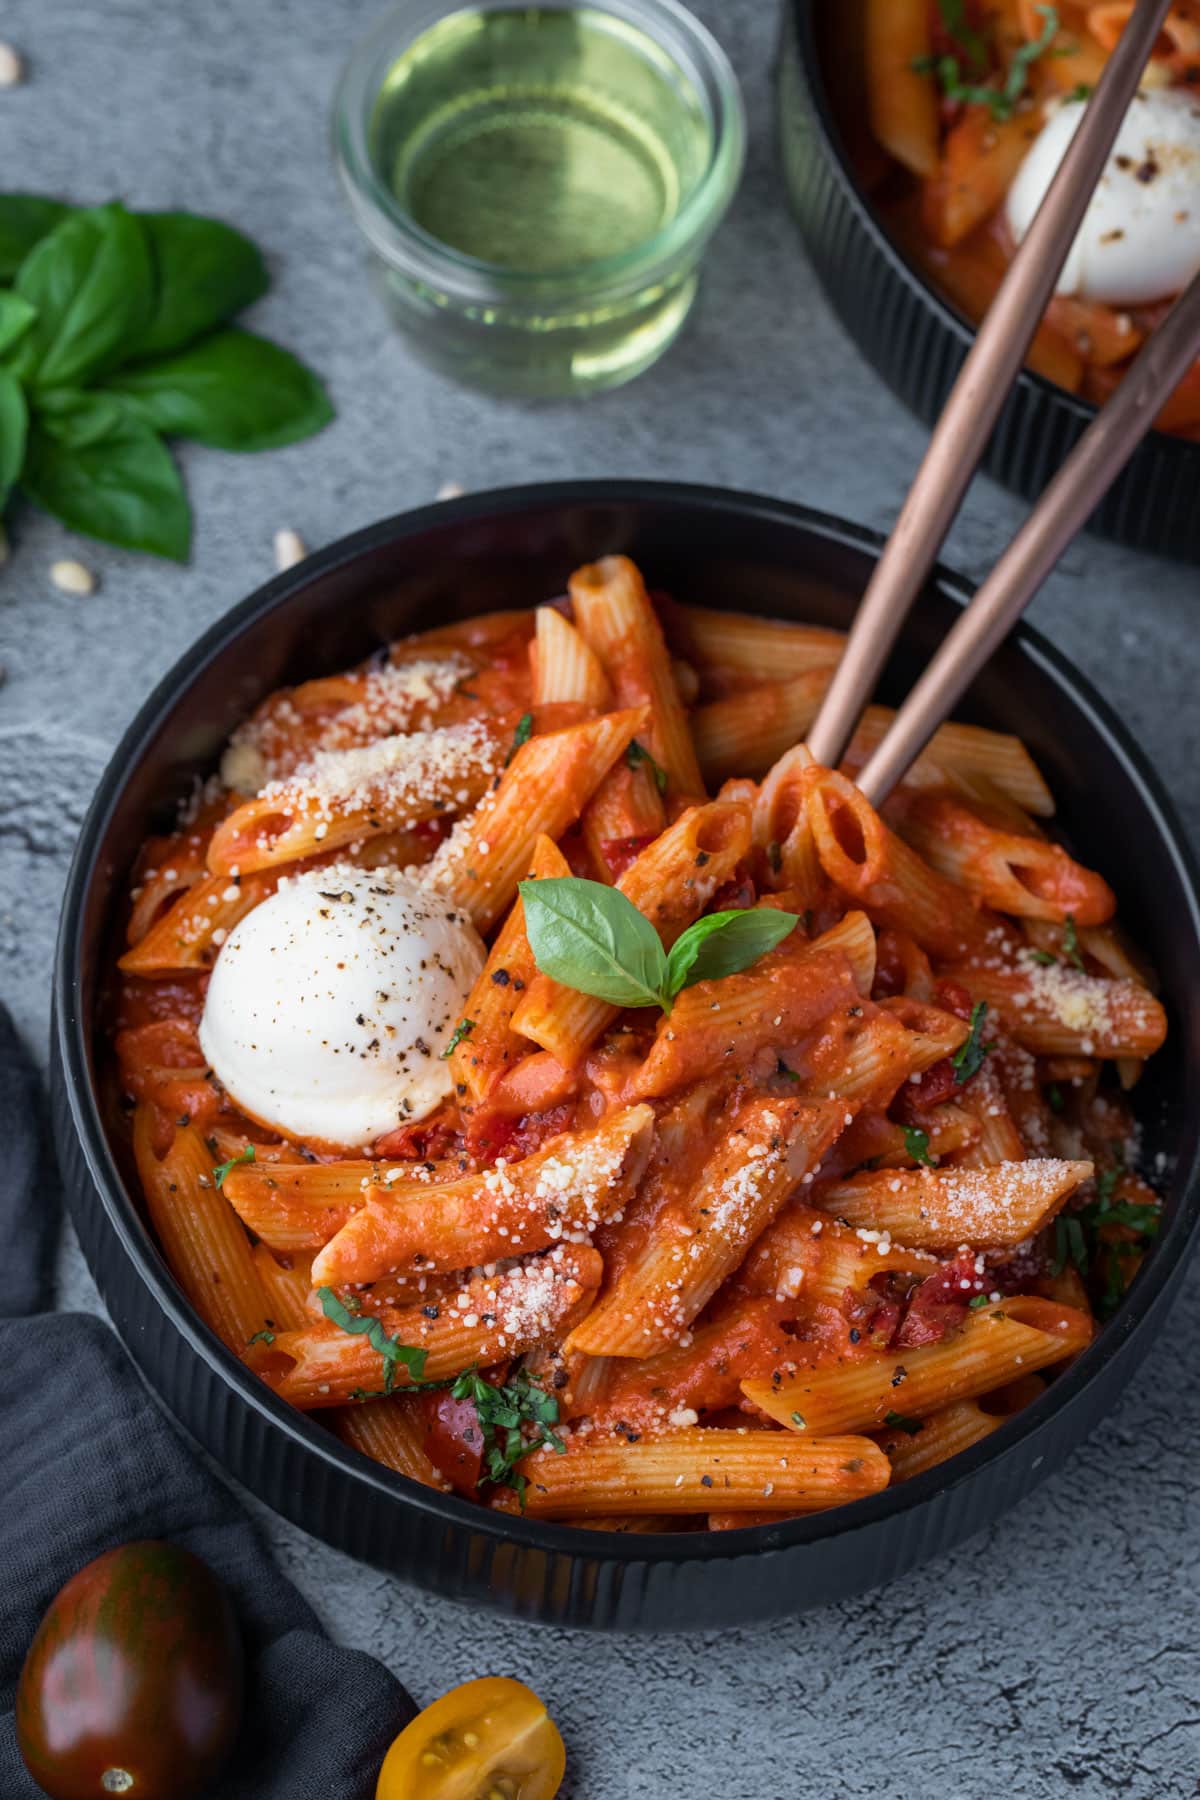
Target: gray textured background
<point>1054,1655</point>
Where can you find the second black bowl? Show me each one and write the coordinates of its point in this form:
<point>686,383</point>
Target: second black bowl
<point>918,339</point>
<point>515,548</point>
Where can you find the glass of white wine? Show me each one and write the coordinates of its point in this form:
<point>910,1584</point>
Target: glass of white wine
<point>538,183</point>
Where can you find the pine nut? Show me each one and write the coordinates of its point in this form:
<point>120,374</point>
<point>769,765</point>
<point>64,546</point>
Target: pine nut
<point>290,549</point>
<point>12,68</point>
<point>72,578</point>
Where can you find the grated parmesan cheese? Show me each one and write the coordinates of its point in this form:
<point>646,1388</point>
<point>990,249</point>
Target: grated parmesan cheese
<point>423,767</point>
<point>1078,1001</point>
<point>395,697</point>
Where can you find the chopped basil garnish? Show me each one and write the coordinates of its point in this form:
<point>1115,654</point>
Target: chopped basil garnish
<point>521,735</point>
<point>462,1030</point>
<point>502,1413</point>
<point>395,1355</point>
<point>1070,944</point>
<point>636,753</point>
<point>1000,97</point>
<point>902,1422</point>
<point>916,1142</point>
<point>222,1169</point>
<point>968,1058</point>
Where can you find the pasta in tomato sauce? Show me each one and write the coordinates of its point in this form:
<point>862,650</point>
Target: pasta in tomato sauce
<point>715,1147</point>
<point>968,106</point>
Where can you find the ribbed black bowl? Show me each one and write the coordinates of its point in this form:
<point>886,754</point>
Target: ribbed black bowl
<point>516,547</point>
<point>917,338</point>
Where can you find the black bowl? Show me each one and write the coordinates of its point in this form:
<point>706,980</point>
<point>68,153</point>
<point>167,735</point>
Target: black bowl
<point>516,547</point>
<point>917,338</point>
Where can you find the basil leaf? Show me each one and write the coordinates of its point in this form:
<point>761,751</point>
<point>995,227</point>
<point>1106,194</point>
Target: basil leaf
<point>14,426</point>
<point>204,273</point>
<point>591,938</point>
<point>92,283</point>
<point>16,316</point>
<point>25,219</point>
<point>80,416</point>
<point>109,475</point>
<point>724,943</point>
<point>232,391</point>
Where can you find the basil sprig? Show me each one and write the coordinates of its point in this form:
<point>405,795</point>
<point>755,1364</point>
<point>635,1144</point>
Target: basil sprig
<point>114,334</point>
<point>591,938</point>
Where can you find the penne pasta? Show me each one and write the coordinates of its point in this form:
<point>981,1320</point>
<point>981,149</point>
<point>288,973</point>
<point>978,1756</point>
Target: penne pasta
<point>901,93</point>
<point>746,732</point>
<point>347,796</point>
<point>569,1186</point>
<point>699,1240</point>
<point>541,792</point>
<point>565,667</point>
<point>676,1386</point>
<point>783,833</point>
<point>745,645</point>
<point>991,1208</point>
<point>939,1437</point>
<point>1055,1010</point>
<point>1017,1336</point>
<point>491,1046</point>
<point>613,613</point>
<point>690,1470</point>
<point>725,1024</point>
<point>287,1285</point>
<point>390,1432</point>
<point>964,750</point>
<point>878,871</point>
<point>811,1259</point>
<point>1026,876</point>
<point>201,1235</point>
<point>493,1316</point>
<point>299,1206</point>
<point>192,930</point>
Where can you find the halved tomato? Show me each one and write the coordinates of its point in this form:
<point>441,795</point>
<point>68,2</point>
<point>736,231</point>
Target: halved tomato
<point>487,1740</point>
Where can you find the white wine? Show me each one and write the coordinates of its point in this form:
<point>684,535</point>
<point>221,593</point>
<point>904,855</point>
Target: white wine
<point>540,139</point>
<point>552,160</point>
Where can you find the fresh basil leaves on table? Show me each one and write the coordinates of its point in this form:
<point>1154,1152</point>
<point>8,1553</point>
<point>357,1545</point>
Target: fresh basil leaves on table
<point>592,938</point>
<point>115,333</point>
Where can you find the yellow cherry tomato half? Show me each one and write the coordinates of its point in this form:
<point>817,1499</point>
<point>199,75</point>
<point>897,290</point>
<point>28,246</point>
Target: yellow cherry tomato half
<point>487,1740</point>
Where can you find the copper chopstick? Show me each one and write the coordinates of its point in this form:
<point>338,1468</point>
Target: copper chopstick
<point>961,434</point>
<point>1079,484</point>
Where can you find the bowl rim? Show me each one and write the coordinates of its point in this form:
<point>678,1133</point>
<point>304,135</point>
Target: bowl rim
<point>71,1033</point>
<point>948,314</point>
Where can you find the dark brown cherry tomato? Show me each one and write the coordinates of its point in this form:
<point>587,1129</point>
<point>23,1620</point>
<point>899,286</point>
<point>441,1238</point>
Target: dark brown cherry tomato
<point>133,1683</point>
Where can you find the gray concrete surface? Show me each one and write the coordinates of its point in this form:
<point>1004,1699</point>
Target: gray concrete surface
<point>1055,1654</point>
